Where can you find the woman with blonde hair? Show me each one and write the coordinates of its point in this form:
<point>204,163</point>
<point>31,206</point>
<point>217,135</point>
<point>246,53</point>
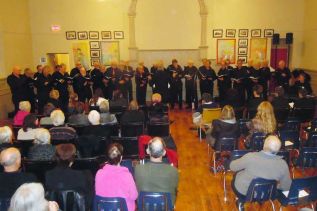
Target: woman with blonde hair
<point>225,126</point>
<point>54,98</point>
<point>263,122</point>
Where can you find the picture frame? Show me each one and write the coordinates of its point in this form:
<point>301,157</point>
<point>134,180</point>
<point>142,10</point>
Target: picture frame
<point>256,33</point>
<point>94,35</point>
<point>94,44</point>
<point>118,35</point>
<point>243,42</point>
<point>217,33</point>
<point>243,58</point>
<point>71,35</point>
<point>110,51</point>
<point>230,33</point>
<point>95,53</point>
<point>243,32</point>
<point>268,32</point>
<point>226,50</point>
<point>106,35</point>
<point>242,51</point>
<point>82,35</point>
<point>93,60</point>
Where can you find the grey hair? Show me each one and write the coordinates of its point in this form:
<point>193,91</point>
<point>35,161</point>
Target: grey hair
<point>5,134</point>
<point>11,158</point>
<point>29,197</point>
<point>104,106</point>
<point>58,117</point>
<point>272,144</point>
<point>42,136</point>
<point>156,147</point>
<point>94,117</point>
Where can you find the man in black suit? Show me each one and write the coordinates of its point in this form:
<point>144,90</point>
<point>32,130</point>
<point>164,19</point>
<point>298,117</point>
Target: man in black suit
<point>206,78</point>
<point>160,82</point>
<point>29,87</point>
<point>39,69</point>
<point>12,177</point>
<point>113,78</point>
<point>239,75</point>
<point>224,80</point>
<point>96,77</point>
<point>282,75</point>
<point>190,74</point>
<point>176,74</point>
<point>44,85</point>
<point>17,85</point>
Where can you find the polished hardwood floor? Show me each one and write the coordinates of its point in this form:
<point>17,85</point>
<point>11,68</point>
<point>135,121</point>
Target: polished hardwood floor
<point>199,189</point>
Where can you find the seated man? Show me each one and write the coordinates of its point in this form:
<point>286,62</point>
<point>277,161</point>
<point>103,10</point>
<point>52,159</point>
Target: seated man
<point>5,137</point>
<point>60,131</point>
<point>12,178</point>
<point>78,117</point>
<point>304,101</point>
<point>156,176</point>
<point>264,164</point>
<point>206,102</point>
<point>279,101</point>
<point>254,102</point>
<point>157,111</point>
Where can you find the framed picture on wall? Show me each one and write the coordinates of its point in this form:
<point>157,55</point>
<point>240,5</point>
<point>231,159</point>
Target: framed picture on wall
<point>83,35</point>
<point>118,34</point>
<point>243,42</point>
<point>95,53</point>
<point>230,33</point>
<point>258,49</point>
<point>94,45</point>
<point>71,35</point>
<point>94,35</point>
<point>217,33</point>
<point>106,35</point>
<point>110,51</point>
<point>93,60</point>
<point>268,32</point>
<point>243,58</point>
<point>256,33</point>
<point>243,51</point>
<point>243,32</point>
<point>226,49</point>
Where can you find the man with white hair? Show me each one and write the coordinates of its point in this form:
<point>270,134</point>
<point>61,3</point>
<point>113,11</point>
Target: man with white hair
<point>60,131</point>
<point>12,178</point>
<point>42,148</point>
<point>156,176</point>
<point>264,164</point>
<point>5,137</point>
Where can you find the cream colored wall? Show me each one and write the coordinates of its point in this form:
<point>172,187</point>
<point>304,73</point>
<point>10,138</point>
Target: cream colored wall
<point>309,60</point>
<point>282,15</point>
<point>75,15</point>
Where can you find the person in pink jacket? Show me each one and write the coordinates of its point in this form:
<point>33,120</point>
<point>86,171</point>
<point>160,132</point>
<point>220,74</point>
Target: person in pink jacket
<point>24,110</point>
<point>114,180</point>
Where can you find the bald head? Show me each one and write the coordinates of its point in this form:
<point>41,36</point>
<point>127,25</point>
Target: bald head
<point>16,70</point>
<point>10,159</point>
<point>272,144</point>
<point>156,148</point>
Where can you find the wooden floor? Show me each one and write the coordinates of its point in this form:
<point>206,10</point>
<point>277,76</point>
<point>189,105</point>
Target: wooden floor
<point>199,189</point>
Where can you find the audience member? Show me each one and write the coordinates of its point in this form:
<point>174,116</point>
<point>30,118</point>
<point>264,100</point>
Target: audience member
<point>118,99</point>
<point>54,98</point>
<point>97,98</point>
<point>105,116</point>
<point>254,102</point>
<point>24,110</point>
<point>31,197</point>
<point>42,148</point>
<point>95,128</point>
<point>206,102</point>
<point>114,180</point>
<point>264,121</point>
<point>225,126</point>
<point>279,101</point>
<point>28,129</point>
<point>48,109</point>
<point>79,117</point>
<point>60,131</point>
<point>233,98</point>
<point>132,114</point>
<point>304,101</point>
<point>157,110</point>
<point>12,178</point>
<point>264,164</point>
<point>6,136</point>
<point>156,176</point>
<point>62,177</point>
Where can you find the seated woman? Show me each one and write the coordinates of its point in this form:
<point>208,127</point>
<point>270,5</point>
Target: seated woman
<point>78,117</point>
<point>73,100</point>
<point>118,99</point>
<point>42,148</point>
<point>133,114</point>
<point>114,180</point>
<point>264,122</point>
<point>6,136</point>
<point>157,110</point>
<point>225,126</point>
<point>28,129</point>
<point>48,109</point>
<point>63,177</point>
<point>54,98</point>
<point>24,110</point>
<point>60,131</point>
<point>105,116</point>
<point>206,102</point>
<point>95,128</point>
<point>96,99</point>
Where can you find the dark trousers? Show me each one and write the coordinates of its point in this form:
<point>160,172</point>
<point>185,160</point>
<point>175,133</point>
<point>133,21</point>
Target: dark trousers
<point>141,95</point>
<point>191,96</point>
<point>207,88</point>
<point>177,96</point>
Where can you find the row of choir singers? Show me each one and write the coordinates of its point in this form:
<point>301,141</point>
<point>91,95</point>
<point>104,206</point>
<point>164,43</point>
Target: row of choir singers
<point>166,81</point>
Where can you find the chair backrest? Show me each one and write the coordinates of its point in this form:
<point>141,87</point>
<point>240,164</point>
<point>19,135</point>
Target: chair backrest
<point>261,190</point>
<point>309,184</point>
<point>243,126</point>
<point>285,156</point>
<point>257,141</point>
<point>304,114</point>
<point>239,112</point>
<point>4,204</point>
<point>68,200</point>
<point>307,157</point>
<point>128,164</point>
<point>236,154</point>
<point>110,204</point>
<point>24,146</point>
<point>130,146</point>
<point>132,129</point>
<point>79,129</point>
<point>92,164</point>
<point>227,144</point>
<point>38,167</point>
<point>281,114</point>
<point>158,129</point>
<point>312,139</point>
<point>114,128</point>
<point>149,201</point>
<point>314,125</point>
<point>289,135</point>
<point>15,130</point>
<point>292,124</point>
<point>117,109</point>
<point>210,114</point>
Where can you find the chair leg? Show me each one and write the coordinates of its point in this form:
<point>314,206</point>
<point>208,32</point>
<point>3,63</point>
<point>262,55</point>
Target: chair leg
<point>214,162</point>
<point>273,206</point>
<point>224,187</point>
<point>312,206</point>
<point>199,133</point>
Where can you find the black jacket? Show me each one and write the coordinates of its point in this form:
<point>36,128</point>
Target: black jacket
<point>222,129</point>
